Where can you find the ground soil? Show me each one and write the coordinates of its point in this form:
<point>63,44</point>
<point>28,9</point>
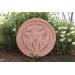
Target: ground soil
<point>19,57</point>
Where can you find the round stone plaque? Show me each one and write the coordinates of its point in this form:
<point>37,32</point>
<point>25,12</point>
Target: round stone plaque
<point>36,37</point>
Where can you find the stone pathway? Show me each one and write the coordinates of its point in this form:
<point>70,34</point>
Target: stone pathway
<point>17,56</point>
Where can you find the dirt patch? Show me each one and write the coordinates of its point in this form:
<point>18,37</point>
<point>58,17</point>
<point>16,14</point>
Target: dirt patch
<point>19,57</point>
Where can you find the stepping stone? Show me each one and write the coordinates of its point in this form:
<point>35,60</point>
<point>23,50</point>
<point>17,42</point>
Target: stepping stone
<point>36,37</point>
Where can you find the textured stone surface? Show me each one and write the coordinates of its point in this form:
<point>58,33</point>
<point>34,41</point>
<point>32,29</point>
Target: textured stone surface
<point>36,37</point>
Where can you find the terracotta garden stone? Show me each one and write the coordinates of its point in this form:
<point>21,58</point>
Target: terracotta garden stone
<point>36,37</point>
